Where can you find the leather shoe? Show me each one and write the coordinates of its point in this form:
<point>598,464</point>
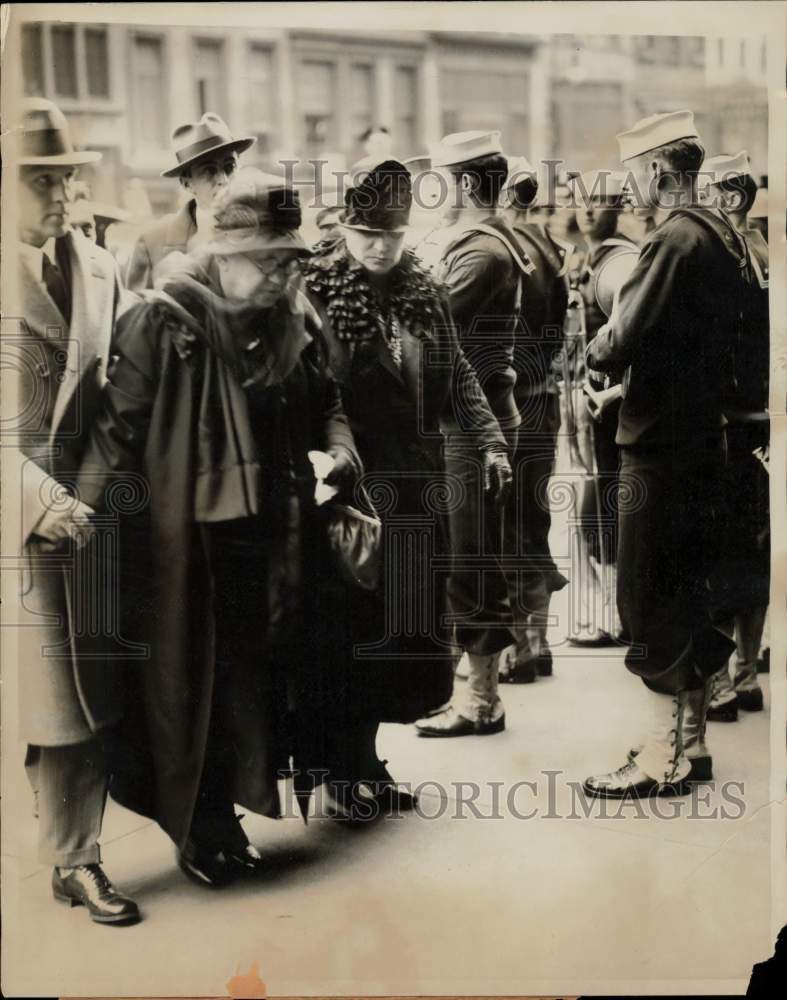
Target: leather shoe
<point>700,768</point>
<point>630,782</point>
<point>727,711</point>
<point>544,664</point>
<point>87,885</point>
<point>388,793</point>
<point>595,639</point>
<point>247,858</point>
<point>206,867</point>
<point>750,700</point>
<point>451,723</point>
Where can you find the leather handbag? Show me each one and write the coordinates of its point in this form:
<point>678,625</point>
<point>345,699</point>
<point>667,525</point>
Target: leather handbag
<point>355,539</point>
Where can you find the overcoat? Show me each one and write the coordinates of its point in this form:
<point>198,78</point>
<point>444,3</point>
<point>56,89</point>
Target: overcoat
<point>67,684</point>
<point>397,641</point>
<point>167,235</point>
<point>184,423</point>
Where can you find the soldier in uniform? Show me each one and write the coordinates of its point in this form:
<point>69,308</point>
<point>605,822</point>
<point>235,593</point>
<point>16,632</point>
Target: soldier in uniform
<point>206,155</point>
<point>539,337</point>
<point>483,268</point>
<point>599,199</point>
<point>732,186</point>
<point>69,294</point>
<point>671,337</point>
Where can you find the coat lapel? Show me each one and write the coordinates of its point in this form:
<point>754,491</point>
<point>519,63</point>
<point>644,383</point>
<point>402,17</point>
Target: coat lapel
<point>39,309</point>
<point>89,288</point>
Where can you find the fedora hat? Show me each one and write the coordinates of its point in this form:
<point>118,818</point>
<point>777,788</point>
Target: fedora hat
<point>197,139</point>
<point>44,138</point>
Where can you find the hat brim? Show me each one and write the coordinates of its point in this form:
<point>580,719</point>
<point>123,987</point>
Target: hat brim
<point>236,145</point>
<point>227,245</point>
<point>75,159</point>
<point>373,229</point>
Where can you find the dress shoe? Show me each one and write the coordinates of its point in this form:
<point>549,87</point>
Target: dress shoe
<point>394,797</point>
<point>750,699</point>
<point>544,663</point>
<point>247,859</point>
<point>451,723</point>
<point>700,768</point>
<point>87,885</point>
<point>596,639</point>
<point>725,711</point>
<point>205,866</point>
<point>631,782</point>
<point>764,662</point>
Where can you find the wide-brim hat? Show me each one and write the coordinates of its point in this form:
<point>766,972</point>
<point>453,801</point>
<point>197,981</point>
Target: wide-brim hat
<point>257,211</point>
<point>380,198</point>
<point>44,138</point>
<point>209,135</point>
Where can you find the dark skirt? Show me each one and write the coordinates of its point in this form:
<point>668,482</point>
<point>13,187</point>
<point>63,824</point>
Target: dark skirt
<point>386,655</point>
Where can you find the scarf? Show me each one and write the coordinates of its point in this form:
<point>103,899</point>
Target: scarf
<point>354,307</point>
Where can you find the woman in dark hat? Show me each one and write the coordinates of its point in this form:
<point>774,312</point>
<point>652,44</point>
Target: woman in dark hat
<point>394,352</point>
<point>218,392</point>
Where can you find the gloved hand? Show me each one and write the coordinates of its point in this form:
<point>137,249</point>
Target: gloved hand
<point>344,472</point>
<point>497,474</point>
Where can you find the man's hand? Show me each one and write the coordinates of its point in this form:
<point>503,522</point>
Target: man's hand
<point>344,472</point>
<point>72,522</point>
<point>497,475</point>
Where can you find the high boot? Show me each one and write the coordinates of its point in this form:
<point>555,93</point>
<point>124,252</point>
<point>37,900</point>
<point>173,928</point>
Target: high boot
<point>661,766</point>
<point>694,728</point>
<point>748,635</point>
<point>478,712</point>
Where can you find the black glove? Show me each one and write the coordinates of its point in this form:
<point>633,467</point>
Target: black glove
<point>497,474</point>
<point>345,471</point>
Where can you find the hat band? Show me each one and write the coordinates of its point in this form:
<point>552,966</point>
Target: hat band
<point>202,146</point>
<point>45,142</point>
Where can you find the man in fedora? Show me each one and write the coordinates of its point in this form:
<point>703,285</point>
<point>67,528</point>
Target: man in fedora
<point>671,338</point>
<point>483,267</point>
<point>206,155</point>
<point>69,294</point>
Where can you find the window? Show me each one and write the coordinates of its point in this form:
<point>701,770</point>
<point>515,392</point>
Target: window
<point>406,107</point>
<point>97,62</point>
<point>318,102</point>
<point>260,87</point>
<point>148,107</point>
<point>33,60</point>
<point>209,76</point>
<point>361,99</point>
<point>487,99</point>
<point>64,60</point>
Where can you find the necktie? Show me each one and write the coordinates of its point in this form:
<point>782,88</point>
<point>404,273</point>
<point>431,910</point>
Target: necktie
<point>56,286</point>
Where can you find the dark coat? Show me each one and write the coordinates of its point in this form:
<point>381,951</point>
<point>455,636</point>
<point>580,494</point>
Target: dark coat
<point>185,425</point>
<point>674,330</point>
<point>67,681</point>
<point>172,233</point>
<point>483,279</point>
<point>396,661</point>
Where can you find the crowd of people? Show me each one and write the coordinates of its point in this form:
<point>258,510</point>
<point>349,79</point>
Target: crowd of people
<point>315,478</point>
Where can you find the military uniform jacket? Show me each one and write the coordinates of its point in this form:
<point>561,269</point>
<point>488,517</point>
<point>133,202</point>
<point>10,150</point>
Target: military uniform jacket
<point>483,276</point>
<point>539,333</point>
<point>673,331</point>
<point>749,401</point>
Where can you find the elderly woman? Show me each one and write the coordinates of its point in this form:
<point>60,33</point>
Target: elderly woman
<point>218,391</point>
<point>404,382</point>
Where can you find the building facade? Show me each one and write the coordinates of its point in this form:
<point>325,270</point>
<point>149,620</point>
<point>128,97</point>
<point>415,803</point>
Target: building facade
<point>311,94</point>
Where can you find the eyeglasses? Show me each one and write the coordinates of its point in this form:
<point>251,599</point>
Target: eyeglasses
<point>270,265</point>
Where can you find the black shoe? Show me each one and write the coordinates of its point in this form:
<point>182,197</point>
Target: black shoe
<point>544,664</point>
<point>451,723</point>
<point>523,673</point>
<point>593,639</point>
<point>87,885</point>
<point>238,852</point>
<point>629,782</point>
<point>726,712</point>
<point>206,867</point>
<point>750,700</point>
<point>764,662</point>
<point>389,794</point>
<point>701,768</point>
